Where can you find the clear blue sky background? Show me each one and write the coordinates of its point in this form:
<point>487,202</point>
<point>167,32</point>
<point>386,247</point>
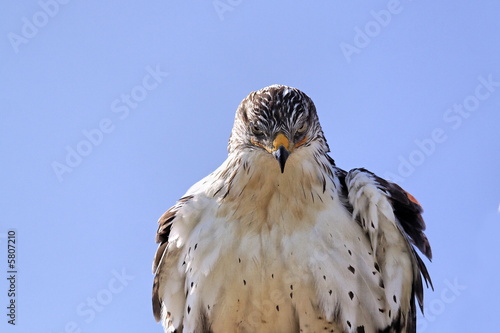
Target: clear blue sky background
<point>388,90</point>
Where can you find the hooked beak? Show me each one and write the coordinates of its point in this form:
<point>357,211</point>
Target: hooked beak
<point>281,154</point>
<point>281,150</point>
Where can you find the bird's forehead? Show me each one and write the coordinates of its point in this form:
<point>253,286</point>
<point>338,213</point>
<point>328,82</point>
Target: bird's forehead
<point>276,104</point>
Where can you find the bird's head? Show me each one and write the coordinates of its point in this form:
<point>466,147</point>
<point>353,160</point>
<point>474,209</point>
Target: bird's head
<point>278,120</point>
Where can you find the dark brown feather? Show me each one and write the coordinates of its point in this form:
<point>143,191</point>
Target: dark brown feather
<point>408,212</point>
<point>156,299</point>
<point>165,221</point>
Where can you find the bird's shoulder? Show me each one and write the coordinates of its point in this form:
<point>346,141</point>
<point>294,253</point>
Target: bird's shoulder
<point>362,186</point>
<point>184,211</point>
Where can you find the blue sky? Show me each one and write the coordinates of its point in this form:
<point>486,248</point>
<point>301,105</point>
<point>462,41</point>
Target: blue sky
<point>110,111</point>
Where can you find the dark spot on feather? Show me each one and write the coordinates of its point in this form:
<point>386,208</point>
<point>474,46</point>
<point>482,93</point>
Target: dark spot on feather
<point>218,191</point>
<point>349,324</point>
<point>291,287</point>
<point>350,253</point>
<point>195,246</point>
<point>377,267</point>
<point>291,295</point>
<point>324,277</point>
<point>189,309</point>
<point>244,282</point>
<point>381,310</point>
<point>330,292</point>
<point>277,307</point>
<point>394,298</point>
<point>381,284</point>
<point>239,260</point>
<point>350,268</point>
<point>360,329</point>
<point>351,295</point>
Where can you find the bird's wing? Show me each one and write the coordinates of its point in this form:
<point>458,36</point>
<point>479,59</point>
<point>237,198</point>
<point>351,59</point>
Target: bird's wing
<point>174,228</point>
<point>168,279</point>
<point>392,219</point>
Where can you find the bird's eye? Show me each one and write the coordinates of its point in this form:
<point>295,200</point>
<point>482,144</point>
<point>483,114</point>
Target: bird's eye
<point>302,128</point>
<point>256,130</point>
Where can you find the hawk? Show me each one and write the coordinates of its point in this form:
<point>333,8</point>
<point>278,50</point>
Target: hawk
<point>279,239</point>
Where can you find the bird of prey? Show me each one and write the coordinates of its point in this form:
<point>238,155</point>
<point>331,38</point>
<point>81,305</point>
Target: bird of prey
<point>279,239</point>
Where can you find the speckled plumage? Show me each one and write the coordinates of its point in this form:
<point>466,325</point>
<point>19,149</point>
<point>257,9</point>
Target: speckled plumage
<point>279,239</point>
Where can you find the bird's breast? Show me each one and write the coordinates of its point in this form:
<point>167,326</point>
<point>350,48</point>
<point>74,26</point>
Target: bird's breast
<point>250,270</point>
<point>262,197</point>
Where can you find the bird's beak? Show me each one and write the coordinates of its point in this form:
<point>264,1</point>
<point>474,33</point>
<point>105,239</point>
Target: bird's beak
<point>281,150</point>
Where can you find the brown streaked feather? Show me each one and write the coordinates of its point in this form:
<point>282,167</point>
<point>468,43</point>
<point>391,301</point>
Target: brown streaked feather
<point>158,255</point>
<point>164,227</point>
<point>408,212</point>
<point>341,174</point>
<point>417,285</point>
<point>165,221</point>
<point>156,298</point>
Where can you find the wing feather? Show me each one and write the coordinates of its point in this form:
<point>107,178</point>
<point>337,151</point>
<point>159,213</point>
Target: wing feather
<point>392,218</point>
<point>164,227</point>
